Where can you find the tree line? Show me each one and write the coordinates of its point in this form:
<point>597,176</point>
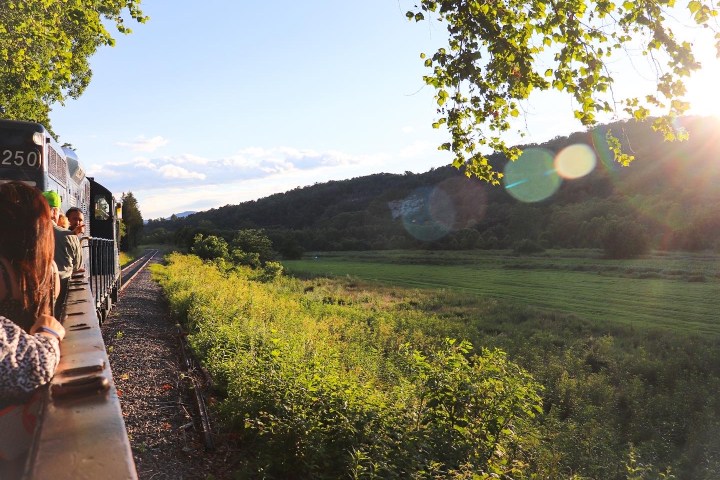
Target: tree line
<point>625,211</point>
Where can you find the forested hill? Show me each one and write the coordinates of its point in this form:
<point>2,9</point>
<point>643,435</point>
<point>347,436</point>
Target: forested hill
<point>669,197</point>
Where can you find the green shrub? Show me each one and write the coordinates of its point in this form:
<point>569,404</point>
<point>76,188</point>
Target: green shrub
<point>625,238</point>
<point>527,246</point>
<point>254,241</point>
<point>210,247</point>
<point>240,257</point>
<point>271,271</point>
<point>317,389</point>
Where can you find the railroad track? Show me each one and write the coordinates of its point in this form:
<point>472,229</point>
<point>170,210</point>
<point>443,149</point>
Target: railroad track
<point>130,271</point>
<point>164,388</point>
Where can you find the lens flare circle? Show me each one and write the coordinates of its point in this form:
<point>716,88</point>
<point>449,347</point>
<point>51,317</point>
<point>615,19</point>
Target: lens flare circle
<point>532,177</point>
<point>575,161</point>
<point>428,214</point>
<point>469,198</point>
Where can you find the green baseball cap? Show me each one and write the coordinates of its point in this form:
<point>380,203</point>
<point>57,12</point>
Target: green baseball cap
<point>52,198</point>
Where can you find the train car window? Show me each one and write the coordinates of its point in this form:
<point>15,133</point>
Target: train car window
<point>102,208</point>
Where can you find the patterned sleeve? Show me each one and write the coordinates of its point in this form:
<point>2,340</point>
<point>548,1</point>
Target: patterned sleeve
<point>26,361</point>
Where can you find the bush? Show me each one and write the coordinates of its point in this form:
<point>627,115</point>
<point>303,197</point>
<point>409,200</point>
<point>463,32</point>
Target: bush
<point>625,239</point>
<point>527,246</point>
<point>210,247</point>
<point>271,271</point>
<point>254,241</point>
<point>240,257</point>
<point>318,390</point>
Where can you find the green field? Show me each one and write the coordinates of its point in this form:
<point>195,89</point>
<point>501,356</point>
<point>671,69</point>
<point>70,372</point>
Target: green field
<point>679,292</point>
<point>310,370</point>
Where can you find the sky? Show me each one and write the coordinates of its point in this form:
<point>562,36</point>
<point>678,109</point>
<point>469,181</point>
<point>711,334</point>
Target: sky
<point>220,102</point>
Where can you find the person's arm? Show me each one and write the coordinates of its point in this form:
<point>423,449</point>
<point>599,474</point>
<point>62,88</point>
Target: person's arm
<point>78,265</point>
<point>28,361</point>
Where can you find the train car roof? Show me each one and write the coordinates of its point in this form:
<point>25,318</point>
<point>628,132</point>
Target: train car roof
<point>30,125</point>
<point>96,187</point>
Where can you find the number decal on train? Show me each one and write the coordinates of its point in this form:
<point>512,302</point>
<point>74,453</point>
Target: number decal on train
<point>16,158</point>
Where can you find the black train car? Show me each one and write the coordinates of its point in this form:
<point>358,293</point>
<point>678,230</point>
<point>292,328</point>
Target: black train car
<point>30,154</point>
<point>103,245</point>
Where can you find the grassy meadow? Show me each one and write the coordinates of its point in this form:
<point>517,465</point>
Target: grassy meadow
<point>460,365</point>
<point>680,292</point>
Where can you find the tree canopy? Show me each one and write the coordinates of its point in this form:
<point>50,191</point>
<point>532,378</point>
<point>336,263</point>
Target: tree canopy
<point>45,47</point>
<point>500,52</point>
<point>133,222</point>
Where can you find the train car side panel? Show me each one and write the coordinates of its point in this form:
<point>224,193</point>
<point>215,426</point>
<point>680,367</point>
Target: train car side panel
<point>81,432</point>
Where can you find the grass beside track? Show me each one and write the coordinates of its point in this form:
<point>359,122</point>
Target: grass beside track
<point>677,292</point>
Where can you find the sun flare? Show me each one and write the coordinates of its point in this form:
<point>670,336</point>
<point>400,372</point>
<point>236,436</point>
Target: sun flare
<point>703,89</point>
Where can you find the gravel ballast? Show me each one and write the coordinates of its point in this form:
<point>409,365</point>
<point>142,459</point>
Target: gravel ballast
<point>157,406</point>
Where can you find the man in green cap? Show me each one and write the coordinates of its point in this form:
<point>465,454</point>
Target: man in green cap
<point>53,199</point>
<point>68,254</point>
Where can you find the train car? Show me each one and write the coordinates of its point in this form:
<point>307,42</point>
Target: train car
<point>104,247</point>
<point>80,431</point>
<point>29,153</point>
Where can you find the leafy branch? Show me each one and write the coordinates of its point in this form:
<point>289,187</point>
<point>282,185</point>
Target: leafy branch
<point>496,52</point>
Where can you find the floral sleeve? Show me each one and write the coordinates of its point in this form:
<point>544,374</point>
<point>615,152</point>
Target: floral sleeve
<point>26,361</point>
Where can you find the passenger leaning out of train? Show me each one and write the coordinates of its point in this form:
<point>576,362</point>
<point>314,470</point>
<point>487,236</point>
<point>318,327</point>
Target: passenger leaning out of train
<point>77,221</point>
<point>68,255</point>
<point>29,335</point>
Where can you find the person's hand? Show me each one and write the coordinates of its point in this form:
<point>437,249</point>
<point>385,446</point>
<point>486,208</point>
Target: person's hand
<point>56,282</point>
<point>49,322</point>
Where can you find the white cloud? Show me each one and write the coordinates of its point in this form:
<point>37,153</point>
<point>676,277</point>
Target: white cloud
<point>176,172</point>
<point>142,144</point>
<point>199,183</point>
<point>418,149</point>
<point>186,158</point>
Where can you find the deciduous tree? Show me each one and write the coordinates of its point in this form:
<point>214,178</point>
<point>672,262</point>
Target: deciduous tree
<point>45,47</point>
<point>499,52</point>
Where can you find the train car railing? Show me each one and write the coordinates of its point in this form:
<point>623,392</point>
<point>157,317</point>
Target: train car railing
<point>80,431</point>
<point>104,273</point>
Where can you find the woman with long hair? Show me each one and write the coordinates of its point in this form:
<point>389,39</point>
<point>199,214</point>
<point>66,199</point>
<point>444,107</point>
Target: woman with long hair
<point>29,335</point>
<point>27,247</point>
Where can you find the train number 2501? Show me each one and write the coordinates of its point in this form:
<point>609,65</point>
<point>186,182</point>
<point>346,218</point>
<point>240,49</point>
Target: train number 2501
<point>18,158</point>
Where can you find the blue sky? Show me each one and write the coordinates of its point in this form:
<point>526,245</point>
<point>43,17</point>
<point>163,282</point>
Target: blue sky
<point>226,101</point>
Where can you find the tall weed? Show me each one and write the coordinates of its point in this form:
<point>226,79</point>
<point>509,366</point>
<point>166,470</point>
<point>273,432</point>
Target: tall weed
<point>319,383</point>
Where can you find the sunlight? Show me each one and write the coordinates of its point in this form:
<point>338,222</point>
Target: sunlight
<point>703,92</point>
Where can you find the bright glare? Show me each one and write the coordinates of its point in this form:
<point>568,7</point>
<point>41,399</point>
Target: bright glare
<point>703,88</point>
<point>575,161</point>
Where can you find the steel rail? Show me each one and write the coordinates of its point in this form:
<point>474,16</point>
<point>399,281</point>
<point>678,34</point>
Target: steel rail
<point>145,260</point>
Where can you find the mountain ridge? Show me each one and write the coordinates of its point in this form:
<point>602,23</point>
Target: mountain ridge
<point>442,208</point>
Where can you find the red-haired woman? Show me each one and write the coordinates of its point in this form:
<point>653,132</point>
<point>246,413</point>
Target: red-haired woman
<point>29,334</point>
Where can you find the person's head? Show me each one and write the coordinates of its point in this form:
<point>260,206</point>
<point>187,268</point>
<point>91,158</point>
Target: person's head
<point>63,221</point>
<point>28,243</point>
<point>77,220</point>
<point>53,200</point>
